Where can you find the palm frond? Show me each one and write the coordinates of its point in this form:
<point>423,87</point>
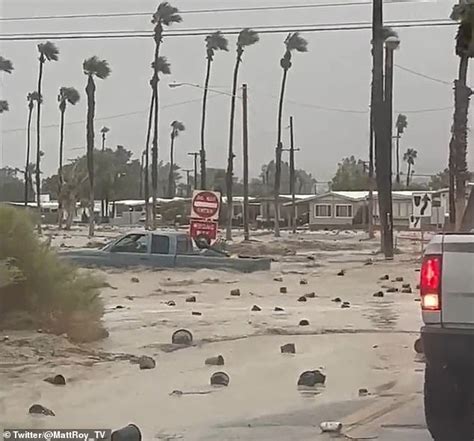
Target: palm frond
<point>247,37</point>
<point>4,106</point>
<point>216,41</point>
<point>96,67</point>
<point>410,155</point>
<point>49,50</point>
<point>387,32</point>
<point>104,130</point>
<point>69,94</point>
<point>6,65</point>
<point>33,96</point>
<point>162,66</point>
<point>401,123</point>
<point>166,14</point>
<point>177,126</point>
<point>295,42</point>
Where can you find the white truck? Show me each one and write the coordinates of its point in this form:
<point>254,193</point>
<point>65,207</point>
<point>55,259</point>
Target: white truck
<point>447,301</point>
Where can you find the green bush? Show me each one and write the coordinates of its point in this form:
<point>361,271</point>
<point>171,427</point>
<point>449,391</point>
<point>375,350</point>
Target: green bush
<point>36,281</point>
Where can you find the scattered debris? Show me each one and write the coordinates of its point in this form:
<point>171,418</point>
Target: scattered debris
<point>379,294</point>
<point>385,277</point>
<point>135,280</point>
<point>215,361</point>
<point>191,299</point>
<point>418,346</point>
<point>304,322</point>
<point>57,380</point>
<point>418,286</point>
<point>399,279</point>
<point>256,308</point>
<point>235,292</point>
<point>363,392</point>
<point>38,409</point>
<point>145,362</point>
<point>127,433</point>
<point>369,262</point>
<point>5,338</point>
<point>220,379</point>
<point>289,348</point>
<point>302,299</point>
<point>311,378</point>
<point>171,303</point>
<point>346,305</point>
<point>310,257</point>
<point>341,273</point>
<point>283,290</point>
<point>182,337</point>
<point>406,285</point>
<point>417,299</point>
<point>303,282</point>
<point>278,279</point>
<point>196,313</point>
<point>117,307</point>
<point>310,295</point>
<point>407,291</point>
<point>337,300</point>
<point>129,297</point>
<point>331,427</point>
<point>392,289</point>
<point>278,309</point>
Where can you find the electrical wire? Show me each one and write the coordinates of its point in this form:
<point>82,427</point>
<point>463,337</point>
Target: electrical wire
<point>278,29</point>
<point>419,74</point>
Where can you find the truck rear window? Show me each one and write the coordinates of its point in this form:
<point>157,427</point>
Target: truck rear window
<point>160,244</point>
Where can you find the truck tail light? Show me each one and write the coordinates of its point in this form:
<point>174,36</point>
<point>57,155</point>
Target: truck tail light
<point>430,283</point>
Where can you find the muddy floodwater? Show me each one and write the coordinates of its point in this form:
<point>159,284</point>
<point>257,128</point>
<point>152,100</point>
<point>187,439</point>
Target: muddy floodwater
<point>366,345</point>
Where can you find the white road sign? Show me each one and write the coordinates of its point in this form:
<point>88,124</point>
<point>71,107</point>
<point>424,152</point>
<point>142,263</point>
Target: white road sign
<point>422,204</point>
<point>415,223</point>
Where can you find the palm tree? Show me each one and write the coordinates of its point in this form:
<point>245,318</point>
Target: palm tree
<point>401,124</point>
<point>31,98</point>
<point>464,14</point>
<point>71,96</point>
<point>176,128</point>
<point>247,37</point>
<point>293,42</point>
<point>104,130</point>
<point>214,42</point>
<point>409,157</point>
<point>4,106</point>
<point>165,15</point>
<point>93,67</point>
<point>7,67</point>
<point>48,52</point>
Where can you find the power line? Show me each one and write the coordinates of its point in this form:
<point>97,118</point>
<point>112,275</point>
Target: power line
<point>419,74</point>
<point>191,11</point>
<point>277,29</point>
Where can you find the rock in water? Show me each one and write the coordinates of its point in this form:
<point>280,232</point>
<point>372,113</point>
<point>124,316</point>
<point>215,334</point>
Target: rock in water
<point>304,322</point>
<point>392,289</point>
<point>278,279</point>
<point>182,337</point>
<point>398,279</point>
<point>406,285</point>
<point>289,348</point>
<point>337,300</point>
<point>38,409</point>
<point>385,277</point>
<point>311,378</point>
<point>341,273</point>
<point>196,313</point>
<point>303,282</point>
<point>407,291</point>
<point>283,290</point>
<point>346,305</point>
<point>256,308</point>
<point>378,294</point>
<point>310,295</point>
<point>145,362</point>
<point>57,380</point>
<point>215,361</point>
<point>278,309</point>
<point>171,303</point>
<point>191,299</point>
<point>302,299</point>
<point>235,292</point>
<point>135,280</point>
<point>220,379</point>
<point>363,392</point>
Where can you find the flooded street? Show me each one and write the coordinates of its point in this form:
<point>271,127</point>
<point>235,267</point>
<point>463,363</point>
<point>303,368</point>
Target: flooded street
<point>368,345</point>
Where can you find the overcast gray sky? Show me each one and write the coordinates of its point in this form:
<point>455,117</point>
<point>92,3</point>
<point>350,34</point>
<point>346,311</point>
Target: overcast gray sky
<point>335,73</point>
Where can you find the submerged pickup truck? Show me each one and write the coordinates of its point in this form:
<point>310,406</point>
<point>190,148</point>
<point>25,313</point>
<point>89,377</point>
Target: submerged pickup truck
<point>163,249</point>
<point>447,301</point>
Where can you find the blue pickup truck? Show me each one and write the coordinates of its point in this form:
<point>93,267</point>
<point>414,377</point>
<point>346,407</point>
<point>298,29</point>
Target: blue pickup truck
<point>162,249</point>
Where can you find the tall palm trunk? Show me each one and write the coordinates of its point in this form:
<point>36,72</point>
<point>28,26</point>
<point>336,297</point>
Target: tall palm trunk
<point>90,91</point>
<point>60,170</point>
<point>408,175</point>
<point>154,152</point>
<point>279,150</point>
<point>203,124</point>
<point>230,157</point>
<point>28,151</point>
<point>461,104</point>
<point>398,157</point>
<point>171,173</point>
<point>38,141</point>
<point>146,172</point>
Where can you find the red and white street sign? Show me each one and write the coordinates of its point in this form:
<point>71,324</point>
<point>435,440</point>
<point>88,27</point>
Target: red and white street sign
<point>205,205</point>
<point>199,228</point>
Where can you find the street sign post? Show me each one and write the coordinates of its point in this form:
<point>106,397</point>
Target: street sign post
<point>205,205</point>
<point>415,223</point>
<point>422,204</point>
<point>203,228</point>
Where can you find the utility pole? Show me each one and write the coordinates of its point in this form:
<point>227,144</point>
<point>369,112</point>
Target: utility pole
<point>292,176</point>
<point>245,144</point>
<point>142,173</point>
<point>382,150</point>
<point>196,156</point>
<point>188,182</point>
